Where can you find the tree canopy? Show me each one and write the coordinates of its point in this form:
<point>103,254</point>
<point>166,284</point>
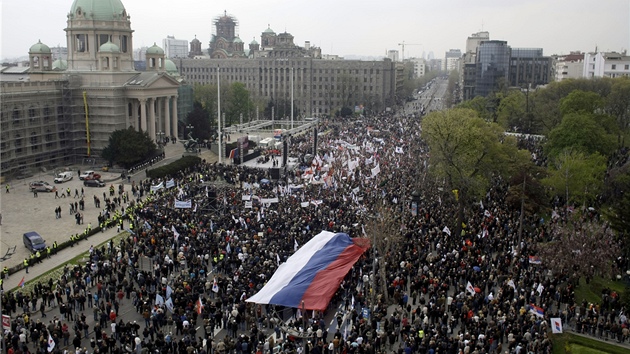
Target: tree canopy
<point>128,147</point>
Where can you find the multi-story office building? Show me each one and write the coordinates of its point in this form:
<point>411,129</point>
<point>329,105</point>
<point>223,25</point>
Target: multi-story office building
<point>419,67</point>
<point>66,110</point>
<point>493,65</point>
<point>451,60</point>
<point>606,64</point>
<point>392,54</point>
<point>528,67</point>
<point>175,48</point>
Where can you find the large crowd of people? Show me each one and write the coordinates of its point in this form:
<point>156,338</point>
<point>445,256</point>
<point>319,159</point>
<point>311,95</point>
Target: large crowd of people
<point>425,290</point>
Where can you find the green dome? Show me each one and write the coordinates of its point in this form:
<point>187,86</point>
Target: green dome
<point>170,67</point>
<point>39,48</point>
<point>269,30</point>
<point>60,64</point>
<point>154,49</point>
<point>109,47</point>
<point>253,42</point>
<point>104,10</point>
<point>237,40</point>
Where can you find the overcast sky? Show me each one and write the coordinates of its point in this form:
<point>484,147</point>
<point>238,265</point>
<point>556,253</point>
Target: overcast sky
<point>348,27</point>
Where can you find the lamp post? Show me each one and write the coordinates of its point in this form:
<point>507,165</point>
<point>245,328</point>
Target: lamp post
<point>160,136</point>
<point>415,202</point>
<point>190,127</point>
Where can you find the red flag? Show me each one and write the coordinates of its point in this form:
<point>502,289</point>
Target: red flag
<point>22,283</point>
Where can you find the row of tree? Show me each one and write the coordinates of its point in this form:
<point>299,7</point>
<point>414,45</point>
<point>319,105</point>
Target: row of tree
<point>582,163</point>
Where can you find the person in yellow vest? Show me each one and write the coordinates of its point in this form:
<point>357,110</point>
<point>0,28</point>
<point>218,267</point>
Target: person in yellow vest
<point>55,247</point>
<point>48,250</point>
<point>25,265</point>
<point>38,257</point>
<point>5,273</point>
<point>1,287</point>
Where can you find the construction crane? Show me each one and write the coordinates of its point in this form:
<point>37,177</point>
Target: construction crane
<point>403,44</point>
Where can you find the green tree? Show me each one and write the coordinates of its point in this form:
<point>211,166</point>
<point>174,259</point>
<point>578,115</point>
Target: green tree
<point>617,194</point>
<point>580,131</point>
<point>581,101</point>
<point>618,104</point>
<point>237,103</point>
<point>575,176</point>
<point>128,147</point>
<point>511,112</point>
<point>200,120</point>
<point>466,151</point>
<point>478,104</point>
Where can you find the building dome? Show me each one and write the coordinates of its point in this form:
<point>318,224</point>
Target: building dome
<point>109,47</point>
<point>170,67</point>
<point>104,10</point>
<point>39,48</point>
<point>154,49</point>
<point>60,64</point>
<point>253,42</point>
<point>237,40</point>
<point>269,30</point>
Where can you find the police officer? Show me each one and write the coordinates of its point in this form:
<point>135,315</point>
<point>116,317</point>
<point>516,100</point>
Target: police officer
<point>38,257</point>
<point>26,265</point>
<point>5,273</point>
<point>55,247</point>
<point>48,250</point>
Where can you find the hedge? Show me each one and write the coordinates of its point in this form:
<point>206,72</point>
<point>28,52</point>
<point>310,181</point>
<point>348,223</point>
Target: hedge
<point>174,167</point>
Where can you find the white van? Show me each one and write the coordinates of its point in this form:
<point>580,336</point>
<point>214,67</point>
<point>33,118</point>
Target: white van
<point>266,142</point>
<point>63,177</point>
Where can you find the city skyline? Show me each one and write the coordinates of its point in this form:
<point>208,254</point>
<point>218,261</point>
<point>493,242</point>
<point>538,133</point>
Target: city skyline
<point>368,29</point>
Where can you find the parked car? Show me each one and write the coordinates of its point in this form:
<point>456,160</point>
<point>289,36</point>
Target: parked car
<point>33,241</point>
<point>64,177</point>
<point>41,186</point>
<point>92,176</point>
<point>93,183</point>
<point>85,174</point>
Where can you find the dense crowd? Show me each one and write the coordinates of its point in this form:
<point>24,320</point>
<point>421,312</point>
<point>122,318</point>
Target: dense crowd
<point>210,257</point>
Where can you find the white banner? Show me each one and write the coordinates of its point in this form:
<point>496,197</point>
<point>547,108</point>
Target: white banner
<point>269,200</point>
<point>183,204</point>
<point>556,325</point>
<point>304,204</point>
<point>248,204</point>
<point>158,187</point>
<point>170,183</point>
<point>376,170</point>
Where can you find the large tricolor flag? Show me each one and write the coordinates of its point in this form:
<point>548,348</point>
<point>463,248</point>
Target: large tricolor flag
<point>310,277</point>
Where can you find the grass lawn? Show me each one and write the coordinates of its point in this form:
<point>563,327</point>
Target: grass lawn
<point>592,292</point>
<point>583,345</point>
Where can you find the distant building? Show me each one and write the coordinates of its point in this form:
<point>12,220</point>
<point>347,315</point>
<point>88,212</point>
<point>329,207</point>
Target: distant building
<point>175,48</point>
<point>569,66</point>
<point>419,67</point>
<point>606,64</point>
<point>451,60</point>
<point>393,55</point>
<point>434,64</point>
<point>493,66</point>
<point>528,67</point>
<point>490,64</point>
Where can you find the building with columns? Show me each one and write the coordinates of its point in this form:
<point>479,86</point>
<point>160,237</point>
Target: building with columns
<point>66,110</point>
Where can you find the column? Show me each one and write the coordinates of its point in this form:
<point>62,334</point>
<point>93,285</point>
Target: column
<point>134,115</point>
<point>167,117</point>
<point>174,117</point>
<point>143,114</point>
<point>151,123</point>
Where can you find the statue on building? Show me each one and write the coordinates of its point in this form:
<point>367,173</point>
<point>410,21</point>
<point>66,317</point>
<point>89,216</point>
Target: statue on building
<point>191,144</point>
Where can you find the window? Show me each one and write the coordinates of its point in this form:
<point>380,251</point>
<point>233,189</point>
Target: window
<point>614,67</point>
<point>626,67</point>
<point>81,43</point>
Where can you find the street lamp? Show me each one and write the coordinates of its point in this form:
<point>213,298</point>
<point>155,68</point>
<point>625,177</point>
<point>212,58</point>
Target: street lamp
<point>415,202</point>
